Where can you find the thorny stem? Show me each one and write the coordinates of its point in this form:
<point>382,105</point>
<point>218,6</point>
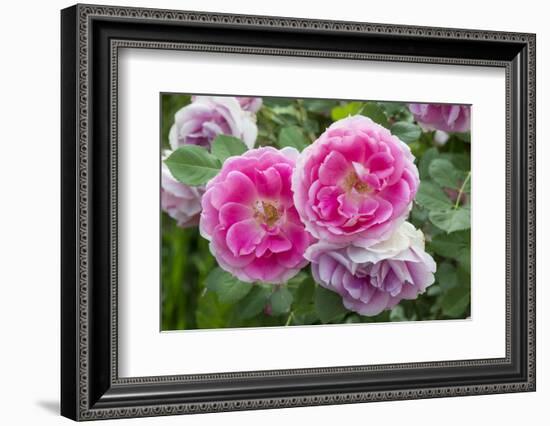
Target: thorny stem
<point>461,191</point>
<point>363,105</point>
<point>303,117</point>
<point>289,320</point>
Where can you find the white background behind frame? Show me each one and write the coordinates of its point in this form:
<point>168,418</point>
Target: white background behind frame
<point>143,351</point>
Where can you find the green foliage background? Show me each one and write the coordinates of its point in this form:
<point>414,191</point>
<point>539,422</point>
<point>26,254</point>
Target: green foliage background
<point>196,294</point>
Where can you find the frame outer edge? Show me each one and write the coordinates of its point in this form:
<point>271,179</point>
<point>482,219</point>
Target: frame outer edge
<point>532,211</point>
<point>69,189</point>
<point>77,167</point>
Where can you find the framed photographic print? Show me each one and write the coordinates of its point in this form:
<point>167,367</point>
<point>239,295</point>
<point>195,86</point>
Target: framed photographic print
<point>263,212</point>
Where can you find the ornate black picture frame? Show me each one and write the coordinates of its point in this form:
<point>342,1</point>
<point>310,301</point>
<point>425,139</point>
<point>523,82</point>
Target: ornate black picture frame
<point>91,36</point>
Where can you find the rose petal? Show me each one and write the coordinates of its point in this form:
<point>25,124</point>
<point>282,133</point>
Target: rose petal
<point>231,213</point>
<point>333,169</point>
<point>243,237</point>
<point>237,188</point>
<point>268,183</point>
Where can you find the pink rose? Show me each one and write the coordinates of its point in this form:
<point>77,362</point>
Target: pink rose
<point>209,116</point>
<point>250,104</point>
<point>249,217</point>
<point>371,280</point>
<point>354,184</point>
<point>181,202</point>
<point>448,118</point>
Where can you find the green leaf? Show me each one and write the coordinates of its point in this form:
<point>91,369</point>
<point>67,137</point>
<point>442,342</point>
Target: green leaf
<point>446,275</point>
<point>375,112</point>
<point>210,312</point>
<point>425,160</point>
<point>455,301</point>
<point>398,314</point>
<point>328,305</point>
<point>432,197</point>
<point>304,315</point>
<point>319,105</point>
<point>298,279</point>
<point>302,287</point>
<point>444,173</point>
<point>281,300</point>
<point>464,260</point>
<point>369,109</point>
<point>228,288</point>
<point>443,213</point>
<point>292,136</point>
<point>433,290</point>
<point>407,132</point>
<point>254,302</point>
<point>451,246</point>
<point>311,126</point>
<point>285,110</point>
<point>451,220</point>
<point>418,216</point>
<point>193,165</point>
<point>305,292</point>
<point>394,108</point>
<point>225,146</point>
<point>460,161</point>
<point>464,137</point>
<point>463,270</point>
<point>346,110</point>
<point>276,102</point>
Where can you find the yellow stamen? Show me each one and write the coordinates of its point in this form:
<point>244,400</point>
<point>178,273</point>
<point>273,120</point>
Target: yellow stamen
<point>266,213</point>
<point>362,187</point>
<point>352,181</point>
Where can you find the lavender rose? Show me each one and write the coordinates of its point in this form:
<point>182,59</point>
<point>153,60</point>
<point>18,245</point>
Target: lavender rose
<point>179,201</point>
<point>448,118</point>
<point>371,280</point>
<point>209,116</point>
<point>250,104</point>
<point>355,184</point>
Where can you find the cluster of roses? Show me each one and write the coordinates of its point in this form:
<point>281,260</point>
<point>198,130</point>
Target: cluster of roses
<point>341,205</point>
<point>198,124</point>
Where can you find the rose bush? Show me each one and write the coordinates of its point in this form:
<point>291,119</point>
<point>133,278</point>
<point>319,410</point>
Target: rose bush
<point>377,278</point>
<point>355,183</point>
<point>351,204</point>
<point>249,217</point>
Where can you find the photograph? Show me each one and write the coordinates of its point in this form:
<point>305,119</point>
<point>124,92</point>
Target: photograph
<point>281,212</point>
